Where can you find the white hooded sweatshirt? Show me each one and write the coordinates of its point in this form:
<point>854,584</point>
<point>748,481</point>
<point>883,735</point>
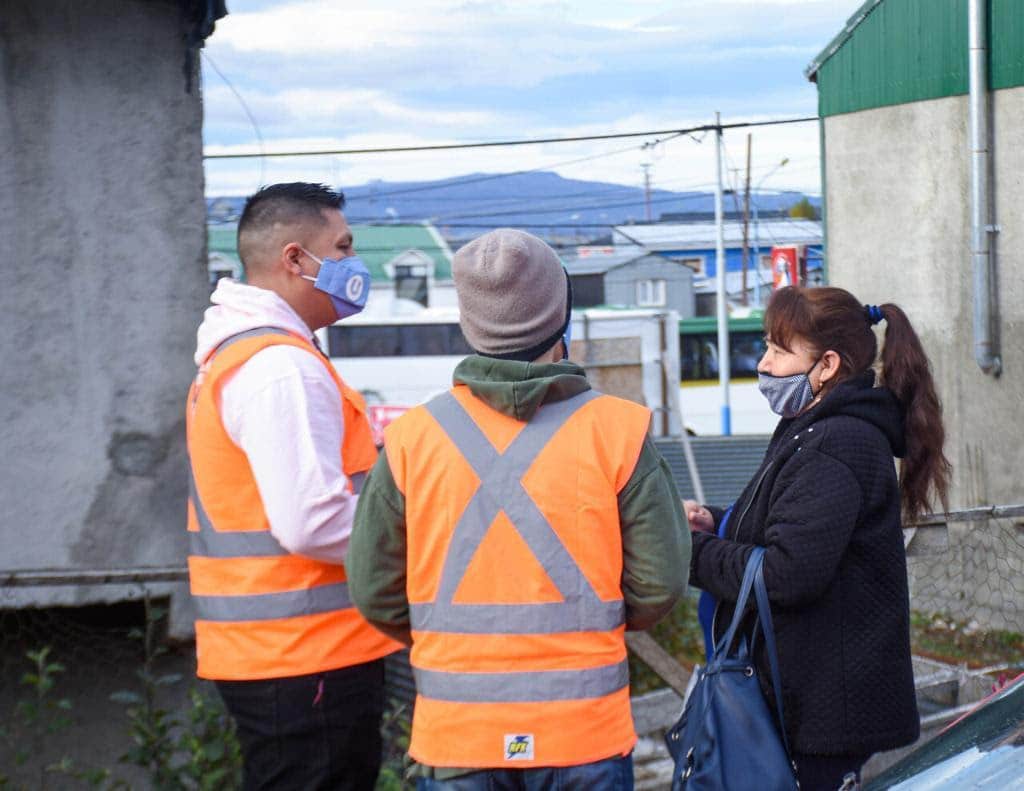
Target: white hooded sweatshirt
<point>283,410</point>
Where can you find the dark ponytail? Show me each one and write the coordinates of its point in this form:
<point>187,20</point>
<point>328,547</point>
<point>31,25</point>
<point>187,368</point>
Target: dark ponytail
<point>908,374</point>
<point>832,318</point>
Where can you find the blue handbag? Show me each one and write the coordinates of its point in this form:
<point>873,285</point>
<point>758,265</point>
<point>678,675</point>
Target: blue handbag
<point>726,738</point>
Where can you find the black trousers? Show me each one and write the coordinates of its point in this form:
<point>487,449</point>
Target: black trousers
<point>320,731</point>
<point>826,772</point>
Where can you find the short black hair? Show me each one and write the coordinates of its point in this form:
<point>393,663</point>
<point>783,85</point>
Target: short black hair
<point>292,203</point>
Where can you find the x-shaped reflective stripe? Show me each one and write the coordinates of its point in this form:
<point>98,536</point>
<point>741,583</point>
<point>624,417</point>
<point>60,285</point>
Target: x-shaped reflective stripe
<point>501,489</point>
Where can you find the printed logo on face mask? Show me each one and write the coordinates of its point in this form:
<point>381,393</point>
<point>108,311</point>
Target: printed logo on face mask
<point>519,747</point>
<point>354,288</point>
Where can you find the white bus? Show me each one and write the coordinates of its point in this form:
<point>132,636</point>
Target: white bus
<point>397,359</point>
<point>400,360</point>
<point>700,394</point>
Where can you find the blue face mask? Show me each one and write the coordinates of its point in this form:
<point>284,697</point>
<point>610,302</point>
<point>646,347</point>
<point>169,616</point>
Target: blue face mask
<point>345,280</point>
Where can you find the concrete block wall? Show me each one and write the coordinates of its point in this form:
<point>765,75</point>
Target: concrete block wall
<point>898,215</point>
<point>103,226</point>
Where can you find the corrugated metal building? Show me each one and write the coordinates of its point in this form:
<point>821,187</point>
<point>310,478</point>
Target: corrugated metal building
<point>630,276</point>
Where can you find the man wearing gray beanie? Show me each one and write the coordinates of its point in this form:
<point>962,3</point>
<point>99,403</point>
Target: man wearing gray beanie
<point>510,532</point>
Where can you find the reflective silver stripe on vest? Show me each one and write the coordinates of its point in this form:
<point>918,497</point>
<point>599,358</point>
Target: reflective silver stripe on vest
<point>210,543</point>
<point>265,606</point>
<point>256,332</point>
<point>358,481</point>
<point>532,686</point>
<point>501,489</point>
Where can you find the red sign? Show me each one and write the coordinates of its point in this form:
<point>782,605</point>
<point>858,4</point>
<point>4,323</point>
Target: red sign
<point>587,251</point>
<point>786,266</point>
<point>380,416</point>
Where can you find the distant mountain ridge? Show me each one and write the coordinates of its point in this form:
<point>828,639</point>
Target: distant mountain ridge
<point>542,202</point>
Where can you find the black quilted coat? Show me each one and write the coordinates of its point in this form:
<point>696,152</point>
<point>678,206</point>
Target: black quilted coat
<point>826,504</point>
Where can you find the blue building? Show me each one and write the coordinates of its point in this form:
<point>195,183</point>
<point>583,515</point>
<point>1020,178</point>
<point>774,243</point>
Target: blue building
<point>693,244</point>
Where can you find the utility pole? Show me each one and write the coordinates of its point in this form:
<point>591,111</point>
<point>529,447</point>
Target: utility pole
<point>647,190</point>
<point>746,228</point>
<point>724,357</point>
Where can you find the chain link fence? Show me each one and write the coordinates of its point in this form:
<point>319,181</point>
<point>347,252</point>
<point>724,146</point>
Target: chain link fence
<point>73,676</point>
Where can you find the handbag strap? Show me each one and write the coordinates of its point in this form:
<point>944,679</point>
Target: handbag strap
<point>764,615</point>
<point>724,645</point>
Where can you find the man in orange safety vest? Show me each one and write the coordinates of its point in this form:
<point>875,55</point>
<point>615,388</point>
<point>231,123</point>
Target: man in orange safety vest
<point>511,531</point>
<point>278,448</point>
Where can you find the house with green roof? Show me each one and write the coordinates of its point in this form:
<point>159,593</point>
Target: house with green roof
<point>406,261</point>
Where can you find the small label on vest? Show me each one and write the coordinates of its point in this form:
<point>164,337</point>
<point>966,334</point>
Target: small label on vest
<point>519,747</point>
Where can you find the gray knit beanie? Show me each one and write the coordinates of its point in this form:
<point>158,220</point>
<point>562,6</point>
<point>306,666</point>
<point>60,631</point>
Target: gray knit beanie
<point>514,297</point>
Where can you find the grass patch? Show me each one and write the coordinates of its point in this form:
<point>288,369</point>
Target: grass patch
<point>941,637</point>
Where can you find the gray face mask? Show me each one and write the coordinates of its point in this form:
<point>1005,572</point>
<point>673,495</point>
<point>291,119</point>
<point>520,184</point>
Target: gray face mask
<point>787,395</point>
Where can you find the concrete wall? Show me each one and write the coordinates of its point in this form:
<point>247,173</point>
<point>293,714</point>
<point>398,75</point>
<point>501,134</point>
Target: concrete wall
<point>898,213</point>
<point>103,227</point>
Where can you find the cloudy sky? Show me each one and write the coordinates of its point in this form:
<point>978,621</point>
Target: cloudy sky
<point>329,74</point>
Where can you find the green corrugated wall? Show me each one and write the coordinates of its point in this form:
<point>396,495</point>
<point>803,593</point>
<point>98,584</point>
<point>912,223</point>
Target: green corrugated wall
<point>910,50</point>
<point>1006,32</point>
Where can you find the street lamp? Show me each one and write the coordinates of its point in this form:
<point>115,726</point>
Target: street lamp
<point>757,238</point>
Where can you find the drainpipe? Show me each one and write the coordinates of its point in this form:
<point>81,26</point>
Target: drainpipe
<point>985,348</point>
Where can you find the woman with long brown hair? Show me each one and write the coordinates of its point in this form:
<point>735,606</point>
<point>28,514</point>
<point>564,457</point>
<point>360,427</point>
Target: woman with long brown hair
<point>827,505</point>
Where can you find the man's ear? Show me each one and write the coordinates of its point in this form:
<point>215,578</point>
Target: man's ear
<point>291,258</point>
<point>829,365</point>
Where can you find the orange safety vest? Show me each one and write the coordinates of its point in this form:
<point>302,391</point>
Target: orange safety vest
<point>263,612</point>
<point>514,578</point>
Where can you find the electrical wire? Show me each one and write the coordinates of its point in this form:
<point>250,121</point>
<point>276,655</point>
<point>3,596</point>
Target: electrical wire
<point>494,176</point>
<point>509,143</point>
<point>252,120</point>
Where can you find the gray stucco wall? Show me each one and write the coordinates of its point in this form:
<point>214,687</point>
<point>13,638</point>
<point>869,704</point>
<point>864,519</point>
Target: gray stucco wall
<point>102,221</point>
<point>620,283</point>
<point>897,183</point>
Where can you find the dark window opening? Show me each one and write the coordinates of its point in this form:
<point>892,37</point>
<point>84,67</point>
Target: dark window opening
<point>397,340</point>
<point>410,283</point>
<point>587,290</point>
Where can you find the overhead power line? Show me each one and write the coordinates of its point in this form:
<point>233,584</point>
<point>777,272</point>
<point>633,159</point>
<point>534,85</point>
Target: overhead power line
<point>245,107</point>
<point>459,182</point>
<point>508,143</point>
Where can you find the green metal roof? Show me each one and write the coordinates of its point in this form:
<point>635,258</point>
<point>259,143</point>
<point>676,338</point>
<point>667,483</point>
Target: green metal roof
<point>898,51</point>
<point>701,325</point>
<point>841,38</point>
<point>222,239</point>
<point>378,244</point>
<point>375,244</point>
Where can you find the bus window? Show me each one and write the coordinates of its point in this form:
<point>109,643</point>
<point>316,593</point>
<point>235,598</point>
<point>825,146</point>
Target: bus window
<point>698,355</point>
<point>397,340</point>
<point>364,341</point>
<point>457,343</point>
<point>747,350</point>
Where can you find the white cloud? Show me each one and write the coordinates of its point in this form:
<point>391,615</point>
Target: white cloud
<point>677,165</point>
<point>517,44</point>
<point>318,109</point>
<point>336,74</point>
